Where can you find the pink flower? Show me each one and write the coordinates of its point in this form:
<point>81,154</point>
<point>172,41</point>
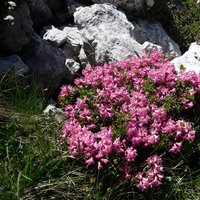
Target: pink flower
<point>186,103</point>
<point>144,184</point>
<point>130,154</point>
<point>90,161</point>
<point>117,146</point>
<point>176,147</point>
<point>80,103</point>
<point>105,110</point>
<point>66,90</point>
<point>126,170</point>
<point>154,160</point>
<point>70,111</point>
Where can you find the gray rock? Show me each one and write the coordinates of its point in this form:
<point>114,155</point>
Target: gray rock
<point>133,7</point>
<point>13,62</point>
<point>13,36</point>
<point>72,66</point>
<point>67,38</point>
<point>190,59</point>
<point>107,34</point>
<point>40,12</point>
<point>153,32</point>
<point>46,61</point>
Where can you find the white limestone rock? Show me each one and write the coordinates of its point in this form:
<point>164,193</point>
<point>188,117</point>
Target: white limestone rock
<point>107,34</point>
<point>190,59</point>
<point>55,36</point>
<point>67,38</point>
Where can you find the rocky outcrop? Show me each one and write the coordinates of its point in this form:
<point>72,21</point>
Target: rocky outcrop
<point>46,61</point>
<point>108,36</point>
<point>190,59</point>
<point>14,63</point>
<point>13,36</point>
<point>153,32</point>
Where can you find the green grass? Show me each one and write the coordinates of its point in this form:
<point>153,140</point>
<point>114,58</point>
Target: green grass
<point>35,163</point>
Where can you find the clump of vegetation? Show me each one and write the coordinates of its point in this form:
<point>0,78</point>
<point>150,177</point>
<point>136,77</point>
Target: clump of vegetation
<point>187,20</point>
<point>130,117</point>
<point>33,161</point>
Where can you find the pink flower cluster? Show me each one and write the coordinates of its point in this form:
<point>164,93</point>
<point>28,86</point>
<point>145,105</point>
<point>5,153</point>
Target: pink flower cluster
<point>153,174</point>
<point>95,147</point>
<point>115,112</point>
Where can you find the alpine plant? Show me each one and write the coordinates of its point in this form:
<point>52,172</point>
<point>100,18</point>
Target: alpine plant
<point>124,115</point>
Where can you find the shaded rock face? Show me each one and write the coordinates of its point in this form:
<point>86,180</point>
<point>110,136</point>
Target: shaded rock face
<point>40,12</point>
<point>13,62</point>
<point>154,33</point>
<point>59,12</point>
<point>131,7</point>
<point>58,18</point>
<point>55,5</point>
<point>45,12</point>
<point>108,36</point>
<point>190,59</point>
<point>13,37</point>
<point>46,61</point>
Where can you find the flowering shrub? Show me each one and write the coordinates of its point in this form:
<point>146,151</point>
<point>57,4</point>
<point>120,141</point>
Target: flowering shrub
<point>126,116</point>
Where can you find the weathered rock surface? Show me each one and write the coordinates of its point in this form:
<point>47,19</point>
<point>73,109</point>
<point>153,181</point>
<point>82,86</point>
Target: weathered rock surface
<point>13,62</point>
<point>46,61</point>
<point>190,59</point>
<point>107,34</point>
<point>13,37</point>
<point>67,38</point>
<point>154,33</point>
